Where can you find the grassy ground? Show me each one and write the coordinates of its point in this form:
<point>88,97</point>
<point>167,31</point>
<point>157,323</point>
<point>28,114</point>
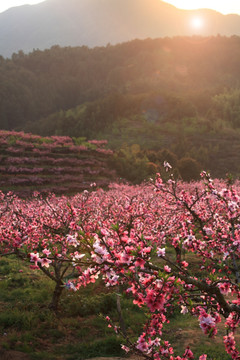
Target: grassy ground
<point>78,331</point>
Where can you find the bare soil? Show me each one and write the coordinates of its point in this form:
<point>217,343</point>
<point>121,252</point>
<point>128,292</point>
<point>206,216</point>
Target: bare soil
<point>118,358</point>
<point>17,355</point>
<point>13,355</point>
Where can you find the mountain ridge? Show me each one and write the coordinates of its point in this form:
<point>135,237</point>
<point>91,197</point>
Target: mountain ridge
<point>100,22</point>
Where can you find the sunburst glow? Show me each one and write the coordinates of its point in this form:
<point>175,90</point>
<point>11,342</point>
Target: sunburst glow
<point>197,23</point>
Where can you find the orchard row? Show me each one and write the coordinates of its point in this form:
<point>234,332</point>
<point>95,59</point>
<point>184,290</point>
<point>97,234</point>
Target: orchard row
<point>170,246</point>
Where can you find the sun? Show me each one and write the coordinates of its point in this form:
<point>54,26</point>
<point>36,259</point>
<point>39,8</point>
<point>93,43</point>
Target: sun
<point>197,23</point>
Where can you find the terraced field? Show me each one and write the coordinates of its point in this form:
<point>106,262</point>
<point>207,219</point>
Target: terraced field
<point>56,164</point>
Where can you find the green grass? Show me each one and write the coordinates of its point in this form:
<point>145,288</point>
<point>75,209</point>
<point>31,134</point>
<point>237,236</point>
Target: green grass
<point>79,330</point>
<point>111,346</point>
<point>27,325</point>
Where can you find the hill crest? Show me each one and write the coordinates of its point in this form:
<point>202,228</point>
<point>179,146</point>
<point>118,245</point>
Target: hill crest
<point>99,22</point>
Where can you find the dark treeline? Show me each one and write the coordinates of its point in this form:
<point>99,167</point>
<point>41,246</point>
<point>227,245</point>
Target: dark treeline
<point>145,96</point>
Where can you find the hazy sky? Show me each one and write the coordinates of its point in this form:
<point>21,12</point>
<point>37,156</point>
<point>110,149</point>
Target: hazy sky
<point>223,6</point>
<point>6,4</point>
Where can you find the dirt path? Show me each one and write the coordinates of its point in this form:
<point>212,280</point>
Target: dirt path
<point>17,355</point>
<point>118,358</point>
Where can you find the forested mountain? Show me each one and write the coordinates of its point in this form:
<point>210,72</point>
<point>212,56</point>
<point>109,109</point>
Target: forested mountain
<point>175,99</point>
<point>99,22</point>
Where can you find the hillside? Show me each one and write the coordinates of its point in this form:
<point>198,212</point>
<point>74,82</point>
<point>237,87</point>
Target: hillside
<point>99,22</point>
<point>56,164</point>
<point>180,94</point>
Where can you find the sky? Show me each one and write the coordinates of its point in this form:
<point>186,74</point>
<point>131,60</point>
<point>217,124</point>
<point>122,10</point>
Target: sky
<point>223,6</point>
<point>6,4</point>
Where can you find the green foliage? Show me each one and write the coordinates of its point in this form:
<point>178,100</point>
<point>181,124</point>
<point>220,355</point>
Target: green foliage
<point>189,169</point>
<point>79,140</point>
<point>167,155</point>
<point>12,140</point>
<point>226,106</point>
<point>131,164</point>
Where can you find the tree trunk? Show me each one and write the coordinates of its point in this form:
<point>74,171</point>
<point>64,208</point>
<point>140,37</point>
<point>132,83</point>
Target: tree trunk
<point>54,305</point>
<point>119,310</point>
<point>178,254</point>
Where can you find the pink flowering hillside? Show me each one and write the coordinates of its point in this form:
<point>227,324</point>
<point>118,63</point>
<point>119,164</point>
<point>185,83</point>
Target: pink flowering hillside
<point>56,164</point>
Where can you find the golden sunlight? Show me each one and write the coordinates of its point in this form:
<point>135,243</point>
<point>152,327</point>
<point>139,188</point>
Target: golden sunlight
<point>197,23</point>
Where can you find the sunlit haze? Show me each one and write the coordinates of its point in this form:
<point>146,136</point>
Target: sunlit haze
<point>197,23</point>
<point>222,6</point>
<point>6,4</point>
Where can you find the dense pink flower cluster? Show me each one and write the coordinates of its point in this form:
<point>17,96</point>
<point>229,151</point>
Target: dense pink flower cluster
<point>30,141</point>
<point>98,143</point>
<point>105,151</point>
<point>208,322</point>
<point>230,345</point>
<point>144,238</point>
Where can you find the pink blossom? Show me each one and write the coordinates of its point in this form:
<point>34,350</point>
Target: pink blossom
<point>46,252</point>
<point>207,324</point>
<point>184,310</point>
<point>203,357</point>
<point>125,348</point>
<point>45,262</point>
<point>167,166</point>
<point>161,252</point>
<point>71,239</point>
<point>167,268</point>
<point>140,262</point>
<point>34,257</point>
<point>224,288</point>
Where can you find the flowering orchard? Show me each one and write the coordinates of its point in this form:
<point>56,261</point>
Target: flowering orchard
<point>146,239</point>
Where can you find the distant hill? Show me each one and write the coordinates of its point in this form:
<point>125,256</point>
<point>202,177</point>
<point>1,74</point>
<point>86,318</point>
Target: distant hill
<point>99,22</point>
<point>181,94</point>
